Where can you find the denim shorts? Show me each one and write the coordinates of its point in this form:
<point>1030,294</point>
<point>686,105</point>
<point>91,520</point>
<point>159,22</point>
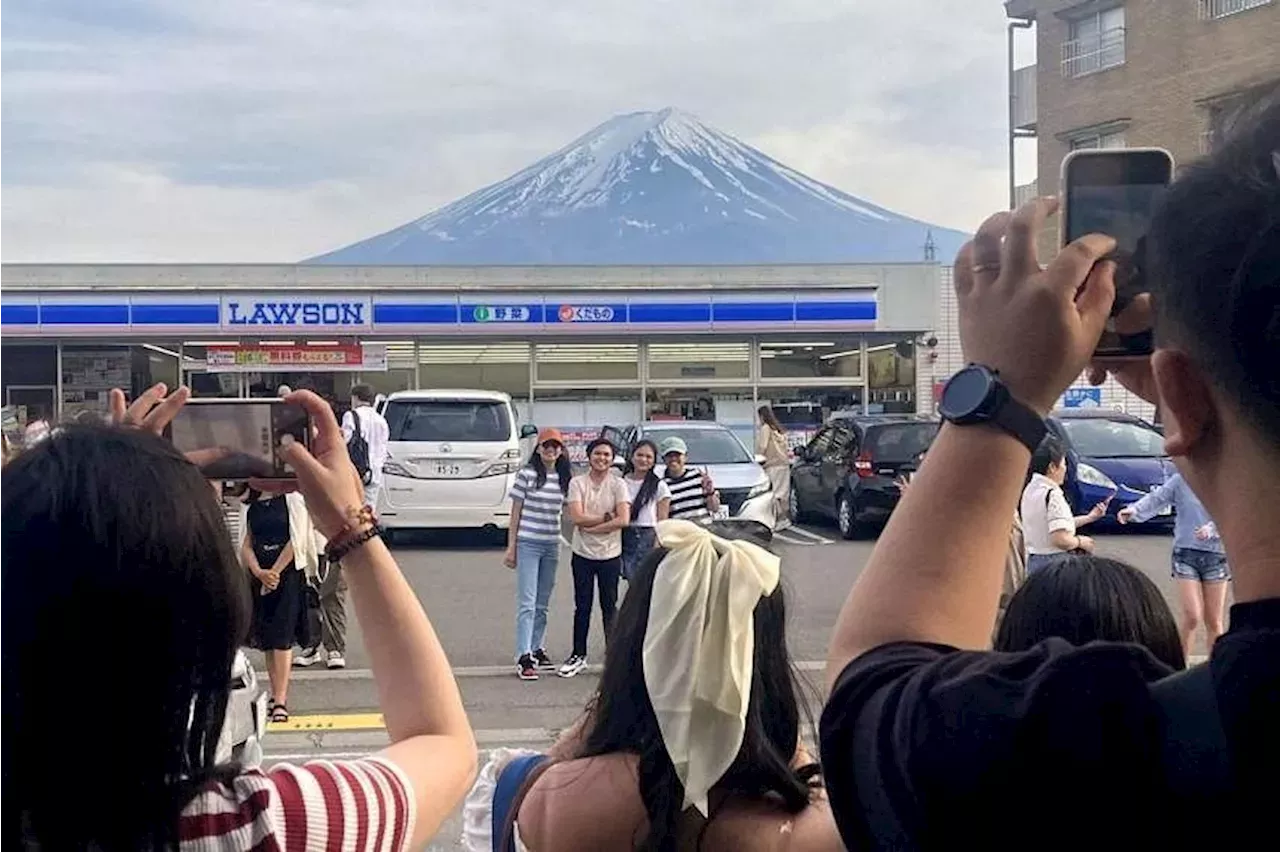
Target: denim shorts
<point>1202,565</point>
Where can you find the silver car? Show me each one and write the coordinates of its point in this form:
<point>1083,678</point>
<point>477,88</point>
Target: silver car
<point>745,490</point>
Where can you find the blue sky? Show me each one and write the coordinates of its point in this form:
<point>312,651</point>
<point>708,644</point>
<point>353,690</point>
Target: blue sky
<point>272,130</point>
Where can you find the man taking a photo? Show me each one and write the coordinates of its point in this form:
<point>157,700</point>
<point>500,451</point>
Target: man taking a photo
<point>929,741</point>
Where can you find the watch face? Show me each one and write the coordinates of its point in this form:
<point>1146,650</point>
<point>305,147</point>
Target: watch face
<point>965,393</point>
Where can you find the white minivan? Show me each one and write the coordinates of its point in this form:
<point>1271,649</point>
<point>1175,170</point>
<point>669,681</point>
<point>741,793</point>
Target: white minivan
<point>451,459</point>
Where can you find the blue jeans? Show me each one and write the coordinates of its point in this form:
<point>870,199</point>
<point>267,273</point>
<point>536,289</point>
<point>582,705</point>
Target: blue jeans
<point>1036,561</point>
<point>536,563</point>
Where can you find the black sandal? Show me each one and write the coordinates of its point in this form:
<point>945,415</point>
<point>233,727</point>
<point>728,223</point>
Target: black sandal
<point>279,713</point>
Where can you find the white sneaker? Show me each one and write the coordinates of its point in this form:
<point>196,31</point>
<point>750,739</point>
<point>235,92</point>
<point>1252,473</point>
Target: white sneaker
<point>336,660</point>
<point>572,666</point>
<point>307,657</point>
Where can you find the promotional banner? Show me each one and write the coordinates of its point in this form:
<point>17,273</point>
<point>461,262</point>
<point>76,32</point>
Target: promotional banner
<point>344,357</point>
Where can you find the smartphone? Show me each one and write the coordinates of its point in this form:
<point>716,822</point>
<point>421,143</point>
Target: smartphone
<point>1115,191</point>
<point>239,439</point>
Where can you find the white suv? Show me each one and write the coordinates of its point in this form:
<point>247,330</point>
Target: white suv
<point>451,459</point>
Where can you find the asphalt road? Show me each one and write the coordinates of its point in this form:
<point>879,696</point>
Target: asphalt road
<point>469,596</point>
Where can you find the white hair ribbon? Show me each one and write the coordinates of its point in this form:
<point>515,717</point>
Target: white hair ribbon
<point>699,648</point>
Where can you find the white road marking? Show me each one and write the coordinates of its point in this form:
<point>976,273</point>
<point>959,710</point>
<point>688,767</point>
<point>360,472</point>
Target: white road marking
<point>801,531</point>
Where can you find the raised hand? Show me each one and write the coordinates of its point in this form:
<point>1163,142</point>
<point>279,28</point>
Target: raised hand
<point>1036,326</point>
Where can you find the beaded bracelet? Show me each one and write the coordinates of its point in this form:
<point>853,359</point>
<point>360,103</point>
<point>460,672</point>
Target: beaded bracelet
<point>335,552</point>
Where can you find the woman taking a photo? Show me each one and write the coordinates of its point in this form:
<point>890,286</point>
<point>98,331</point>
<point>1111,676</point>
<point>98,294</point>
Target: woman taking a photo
<point>650,503</point>
<point>771,442</point>
<point>533,546</point>
<point>280,552</point>
<point>111,533</point>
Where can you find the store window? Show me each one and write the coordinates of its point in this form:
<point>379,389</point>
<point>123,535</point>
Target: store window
<point>581,414</point>
<point>891,377</point>
<point>480,366</point>
<point>802,410</point>
<point>29,375</point>
<point>827,358</point>
<point>588,363</point>
<point>734,407</point>
<point>90,372</point>
<point>690,362</point>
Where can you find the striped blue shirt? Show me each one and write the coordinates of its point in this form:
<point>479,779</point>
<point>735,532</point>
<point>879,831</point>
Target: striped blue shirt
<point>540,508</point>
<point>1190,516</point>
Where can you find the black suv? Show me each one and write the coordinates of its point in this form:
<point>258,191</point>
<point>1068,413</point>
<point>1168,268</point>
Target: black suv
<point>848,472</point>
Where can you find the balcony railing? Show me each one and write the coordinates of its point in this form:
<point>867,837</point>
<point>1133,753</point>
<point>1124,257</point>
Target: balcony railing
<point>1083,56</point>
<point>1211,10</point>
<point>1024,98</point>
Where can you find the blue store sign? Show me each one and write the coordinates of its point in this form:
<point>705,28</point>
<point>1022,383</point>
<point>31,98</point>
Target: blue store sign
<point>406,312</point>
<point>1082,398</point>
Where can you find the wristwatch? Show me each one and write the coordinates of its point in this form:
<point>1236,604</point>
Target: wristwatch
<point>977,395</point>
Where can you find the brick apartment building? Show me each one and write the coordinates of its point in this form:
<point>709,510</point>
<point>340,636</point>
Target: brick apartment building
<point>1116,73</point>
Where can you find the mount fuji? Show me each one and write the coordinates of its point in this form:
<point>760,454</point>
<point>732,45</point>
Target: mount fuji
<point>654,188</point>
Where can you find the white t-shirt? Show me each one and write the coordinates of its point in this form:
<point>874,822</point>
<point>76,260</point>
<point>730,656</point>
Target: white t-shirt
<point>1044,511</point>
<point>648,514</point>
<point>376,433</point>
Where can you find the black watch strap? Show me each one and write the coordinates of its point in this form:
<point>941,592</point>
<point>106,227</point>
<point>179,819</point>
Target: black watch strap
<point>1020,421</point>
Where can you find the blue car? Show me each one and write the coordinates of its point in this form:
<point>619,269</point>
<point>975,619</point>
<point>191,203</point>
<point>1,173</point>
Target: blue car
<point>1110,453</point>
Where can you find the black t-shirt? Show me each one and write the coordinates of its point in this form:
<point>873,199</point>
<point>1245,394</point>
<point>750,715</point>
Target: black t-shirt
<point>927,747</point>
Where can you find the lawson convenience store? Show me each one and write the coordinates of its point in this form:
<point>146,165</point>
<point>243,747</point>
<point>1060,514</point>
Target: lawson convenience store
<point>576,347</point>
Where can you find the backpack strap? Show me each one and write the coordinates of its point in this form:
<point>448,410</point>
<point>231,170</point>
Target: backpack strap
<point>506,792</point>
<point>1194,747</point>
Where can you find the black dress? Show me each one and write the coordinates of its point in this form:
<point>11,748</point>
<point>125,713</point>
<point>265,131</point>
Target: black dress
<point>278,615</point>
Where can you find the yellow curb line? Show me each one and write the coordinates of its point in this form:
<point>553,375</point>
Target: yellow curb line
<point>331,722</point>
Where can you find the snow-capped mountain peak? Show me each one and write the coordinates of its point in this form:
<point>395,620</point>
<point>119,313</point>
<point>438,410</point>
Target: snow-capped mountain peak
<point>652,187</point>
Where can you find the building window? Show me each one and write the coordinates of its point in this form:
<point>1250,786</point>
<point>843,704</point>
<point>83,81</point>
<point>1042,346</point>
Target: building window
<point>1094,139</point>
<point>1211,10</point>
<point>1096,43</point>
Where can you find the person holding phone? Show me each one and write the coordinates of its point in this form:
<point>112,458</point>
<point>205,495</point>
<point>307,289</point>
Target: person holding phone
<point>1047,520</point>
<point>76,558</point>
<point>693,493</point>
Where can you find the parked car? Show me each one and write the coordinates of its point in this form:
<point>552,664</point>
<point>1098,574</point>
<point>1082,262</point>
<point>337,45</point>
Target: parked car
<point>745,489</point>
<point>451,459</point>
<point>1110,452</point>
<point>848,472</point>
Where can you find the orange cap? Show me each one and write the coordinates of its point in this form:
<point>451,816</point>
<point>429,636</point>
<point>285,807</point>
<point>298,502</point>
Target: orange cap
<point>550,434</point>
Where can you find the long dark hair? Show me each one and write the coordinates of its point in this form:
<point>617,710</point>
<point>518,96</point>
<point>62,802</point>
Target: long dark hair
<point>623,720</point>
<point>1085,598</point>
<point>100,523</point>
<point>564,470</point>
<point>768,418</point>
<point>649,485</point>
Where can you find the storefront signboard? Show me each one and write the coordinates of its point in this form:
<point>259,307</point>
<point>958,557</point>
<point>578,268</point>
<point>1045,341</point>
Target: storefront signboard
<point>501,313</point>
<point>369,357</point>
<point>591,313</point>
<point>1082,398</point>
<point>240,313</point>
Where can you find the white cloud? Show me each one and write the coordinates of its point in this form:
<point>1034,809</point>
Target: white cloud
<point>275,129</point>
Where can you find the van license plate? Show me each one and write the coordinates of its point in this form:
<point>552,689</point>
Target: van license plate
<point>448,470</point>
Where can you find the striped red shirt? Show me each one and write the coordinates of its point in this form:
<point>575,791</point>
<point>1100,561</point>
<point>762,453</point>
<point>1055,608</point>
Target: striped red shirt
<point>347,805</point>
